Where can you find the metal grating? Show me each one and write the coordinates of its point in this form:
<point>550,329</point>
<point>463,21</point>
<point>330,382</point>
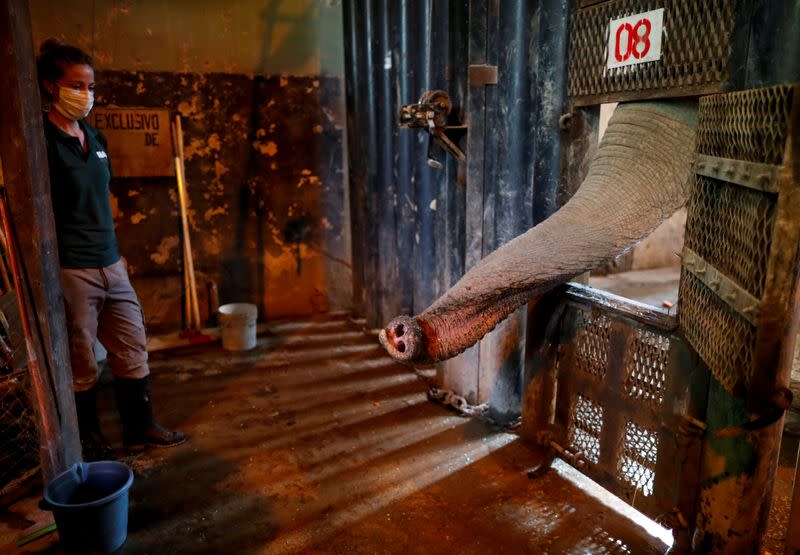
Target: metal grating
<point>585,428</point>
<point>592,344</point>
<point>638,462</point>
<point>732,228</point>
<point>696,49</point>
<point>723,339</point>
<point>19,444</point>
<point>614,383</point>
<point>749,125</point>
<point>647,367</point>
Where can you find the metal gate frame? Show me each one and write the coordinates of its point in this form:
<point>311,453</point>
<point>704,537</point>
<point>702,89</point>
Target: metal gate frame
<point>631,398</point>
<point>634,409</point>
<point>636,390</point>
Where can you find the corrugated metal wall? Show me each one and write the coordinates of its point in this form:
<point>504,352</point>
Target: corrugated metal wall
<point>415,229</point>
<point>407,217</point>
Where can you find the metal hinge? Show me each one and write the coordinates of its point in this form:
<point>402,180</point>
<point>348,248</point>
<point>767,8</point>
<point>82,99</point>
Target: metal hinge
<point>480,74</point>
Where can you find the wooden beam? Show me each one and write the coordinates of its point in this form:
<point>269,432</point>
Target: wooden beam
<point>27,183</point>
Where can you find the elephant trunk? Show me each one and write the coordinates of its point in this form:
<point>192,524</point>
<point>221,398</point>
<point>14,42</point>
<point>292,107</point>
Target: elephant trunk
<point>639,176</point>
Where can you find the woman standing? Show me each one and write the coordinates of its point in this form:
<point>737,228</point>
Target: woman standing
<point>99,299</point>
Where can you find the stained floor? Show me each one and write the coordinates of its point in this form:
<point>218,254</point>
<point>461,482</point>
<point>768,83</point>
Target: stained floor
<point>315,442</point>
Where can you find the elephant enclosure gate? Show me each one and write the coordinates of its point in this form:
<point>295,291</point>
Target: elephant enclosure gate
<point>627,406</point>
<point>633,380</point>
<point>644,399</point>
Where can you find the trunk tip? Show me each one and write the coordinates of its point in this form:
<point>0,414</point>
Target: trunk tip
<point>403,339</point>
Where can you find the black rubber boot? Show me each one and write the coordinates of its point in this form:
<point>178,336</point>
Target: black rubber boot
<point>94,445</point>
<point>139,428</point>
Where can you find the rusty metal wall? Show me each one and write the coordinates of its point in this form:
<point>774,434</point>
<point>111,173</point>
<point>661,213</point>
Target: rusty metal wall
<point>407,218</point>
<point>267,211</point>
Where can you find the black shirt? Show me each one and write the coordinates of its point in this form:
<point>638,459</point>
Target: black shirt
<point>79,185</point>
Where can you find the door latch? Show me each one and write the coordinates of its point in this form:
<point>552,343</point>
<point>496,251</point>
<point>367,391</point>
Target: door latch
<point>430,113</point>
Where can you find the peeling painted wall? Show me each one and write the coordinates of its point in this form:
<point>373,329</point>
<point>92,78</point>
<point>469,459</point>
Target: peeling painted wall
<point>298,37</point>
<point>268,205</point>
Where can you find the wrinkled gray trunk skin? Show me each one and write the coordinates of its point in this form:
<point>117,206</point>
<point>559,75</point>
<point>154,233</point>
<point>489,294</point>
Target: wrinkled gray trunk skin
<point>639,177</point>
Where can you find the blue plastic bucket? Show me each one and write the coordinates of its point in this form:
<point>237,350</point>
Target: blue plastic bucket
<point>90,505</point>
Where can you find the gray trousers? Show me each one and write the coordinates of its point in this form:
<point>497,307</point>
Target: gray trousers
<point>101,304</point>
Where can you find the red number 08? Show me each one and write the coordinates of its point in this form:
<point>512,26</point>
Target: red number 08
<point>638,42</point>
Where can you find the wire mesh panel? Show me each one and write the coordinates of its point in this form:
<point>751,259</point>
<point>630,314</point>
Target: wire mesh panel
<point>19,444</point>
<point>738,263</point>
<point>592,345</point>
<point>749,125</point>
<point>637,463</point>
<point>697,45</point>
<point>585,426</point>
<point>620,405</point>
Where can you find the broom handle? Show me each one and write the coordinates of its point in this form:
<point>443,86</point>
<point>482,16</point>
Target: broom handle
<point>187,304</point>
<point>185,223</point>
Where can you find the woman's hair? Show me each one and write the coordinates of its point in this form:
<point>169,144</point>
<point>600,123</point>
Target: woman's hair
<point>53,57</point>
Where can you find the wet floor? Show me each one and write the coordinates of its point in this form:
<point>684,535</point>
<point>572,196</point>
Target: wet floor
<point>315,442</point>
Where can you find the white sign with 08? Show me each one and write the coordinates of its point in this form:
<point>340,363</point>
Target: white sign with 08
<point>635,39</point>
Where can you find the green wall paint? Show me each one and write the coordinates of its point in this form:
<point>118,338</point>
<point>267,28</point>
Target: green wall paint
<point>725,410</point>
<point>297,37</point>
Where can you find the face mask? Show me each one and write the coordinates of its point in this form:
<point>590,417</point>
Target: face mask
<point>74,104</point>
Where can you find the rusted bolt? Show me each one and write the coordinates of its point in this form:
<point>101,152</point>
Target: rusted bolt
<point>783,398</point>
<point>749,310</point>
<point>565,121</point>
<point>544,437</point>
<point>694,422</point>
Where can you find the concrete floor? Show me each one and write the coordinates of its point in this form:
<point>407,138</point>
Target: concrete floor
<point>315,442</point>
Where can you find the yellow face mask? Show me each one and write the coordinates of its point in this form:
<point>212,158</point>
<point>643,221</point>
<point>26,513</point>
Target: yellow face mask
<point>74,104</point>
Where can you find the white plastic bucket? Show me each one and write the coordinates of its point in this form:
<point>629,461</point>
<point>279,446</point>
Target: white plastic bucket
<point>238,323</point>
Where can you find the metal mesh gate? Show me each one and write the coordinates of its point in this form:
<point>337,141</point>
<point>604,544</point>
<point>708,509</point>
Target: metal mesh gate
<point>699,38</point>
<point>738,261</point>
<point>19,444</point>
<point>19,440</point>
<point>623,406</point>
